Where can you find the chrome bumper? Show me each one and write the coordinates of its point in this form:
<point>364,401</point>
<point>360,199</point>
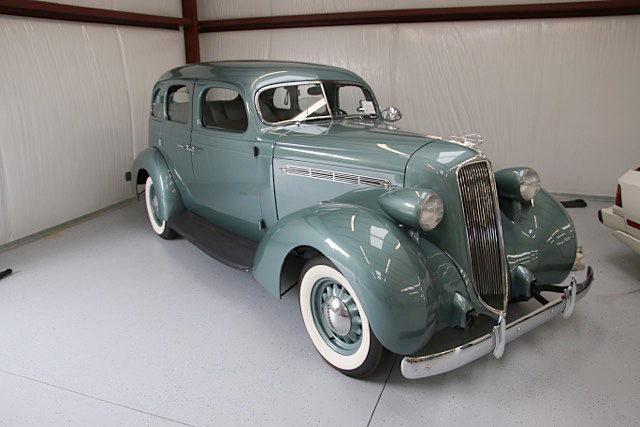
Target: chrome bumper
<point>494,342</point>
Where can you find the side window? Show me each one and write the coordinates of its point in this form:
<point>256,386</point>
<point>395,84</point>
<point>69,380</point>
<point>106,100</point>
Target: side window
<point>178,100</point>
<point>156,106</point>
<point>223,109</point>
<point>350,98</point>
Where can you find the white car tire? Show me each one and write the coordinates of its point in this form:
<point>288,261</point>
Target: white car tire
<point>358,352</point>
<point>159,226</point>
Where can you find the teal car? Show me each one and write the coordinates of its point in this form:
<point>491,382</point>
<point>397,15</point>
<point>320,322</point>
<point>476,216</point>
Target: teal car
<point>293,172</point>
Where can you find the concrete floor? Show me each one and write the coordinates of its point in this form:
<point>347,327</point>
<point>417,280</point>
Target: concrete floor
<point>107,324</point>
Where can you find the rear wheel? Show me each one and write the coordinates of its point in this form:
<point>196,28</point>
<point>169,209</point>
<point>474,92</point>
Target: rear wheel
<point>151,199</point>
<point>336,321</point>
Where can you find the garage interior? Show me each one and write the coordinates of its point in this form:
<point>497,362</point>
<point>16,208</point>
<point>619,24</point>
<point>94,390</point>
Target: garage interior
<point>103,323</point>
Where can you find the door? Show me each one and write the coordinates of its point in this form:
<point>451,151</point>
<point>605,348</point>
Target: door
<point>224,162</point>
<point>175,136</point>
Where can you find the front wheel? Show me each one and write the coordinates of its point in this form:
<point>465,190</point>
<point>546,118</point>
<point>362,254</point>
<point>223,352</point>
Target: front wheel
<point>336,321</point>
<point>151,199</point>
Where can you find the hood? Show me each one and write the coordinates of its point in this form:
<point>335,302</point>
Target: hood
<point>359,144</point>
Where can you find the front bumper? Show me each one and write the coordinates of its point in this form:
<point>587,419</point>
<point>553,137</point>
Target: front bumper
<point>494,342</point>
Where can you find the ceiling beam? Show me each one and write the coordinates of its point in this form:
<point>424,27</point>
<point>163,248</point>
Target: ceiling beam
<point>474,13</point>
<point>48,10</point>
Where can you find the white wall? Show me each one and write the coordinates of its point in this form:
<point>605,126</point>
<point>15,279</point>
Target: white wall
<point>560,95</point>
<point>73,113</point>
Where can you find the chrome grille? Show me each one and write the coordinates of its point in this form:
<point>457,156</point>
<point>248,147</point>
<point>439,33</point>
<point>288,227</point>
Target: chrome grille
<point>484,234</point>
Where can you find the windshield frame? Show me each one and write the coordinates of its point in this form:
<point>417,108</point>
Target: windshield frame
<point>331,115</point>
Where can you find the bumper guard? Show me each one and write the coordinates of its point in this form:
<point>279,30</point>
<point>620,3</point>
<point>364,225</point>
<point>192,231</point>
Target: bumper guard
<point>495,341</point>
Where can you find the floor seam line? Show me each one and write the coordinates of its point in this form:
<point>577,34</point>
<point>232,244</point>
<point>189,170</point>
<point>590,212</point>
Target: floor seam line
<point>95,398</point>
<point>382,391</point>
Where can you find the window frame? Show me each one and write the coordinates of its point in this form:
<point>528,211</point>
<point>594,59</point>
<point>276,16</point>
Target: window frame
<point>321,83</point>
<point>297,83</point>
<point>166,102</point>
<point>202,95</point>
<point>158,91</point>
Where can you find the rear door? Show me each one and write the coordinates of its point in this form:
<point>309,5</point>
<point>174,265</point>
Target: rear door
<point>175,136</point>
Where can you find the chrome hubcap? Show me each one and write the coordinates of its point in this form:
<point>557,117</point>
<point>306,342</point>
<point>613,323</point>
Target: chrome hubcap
<point>337,316</point>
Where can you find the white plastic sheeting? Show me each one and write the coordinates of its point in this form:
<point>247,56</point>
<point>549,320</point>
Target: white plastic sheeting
<point>226,9</point>
<point>75,104</point>
<point>560,95</point>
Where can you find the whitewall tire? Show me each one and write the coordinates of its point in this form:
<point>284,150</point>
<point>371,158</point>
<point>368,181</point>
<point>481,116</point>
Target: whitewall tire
<point>336,321</point>
<point>151,200</point>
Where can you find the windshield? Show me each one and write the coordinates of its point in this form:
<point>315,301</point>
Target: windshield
<point>314,100</point>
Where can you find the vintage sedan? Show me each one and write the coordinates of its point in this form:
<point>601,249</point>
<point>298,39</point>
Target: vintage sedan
<point>624,216</point>
<point>291,171</point>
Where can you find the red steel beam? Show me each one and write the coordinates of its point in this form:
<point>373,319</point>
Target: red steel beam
<point>48,10</point>
<point>191,37</point>
<point>474,13</point>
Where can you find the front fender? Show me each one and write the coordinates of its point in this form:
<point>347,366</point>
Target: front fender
<point>152,161</point>
<point>540,236</point>
<point>384,265</point>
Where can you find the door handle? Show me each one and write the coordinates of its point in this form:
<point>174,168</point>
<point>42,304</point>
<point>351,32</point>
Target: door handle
<point>190,148</point>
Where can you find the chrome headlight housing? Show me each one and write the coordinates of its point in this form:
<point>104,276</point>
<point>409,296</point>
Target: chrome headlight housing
<point>529,185</point>
<point>431,211</point>
<point>521,184</point>
<point>414,207</point>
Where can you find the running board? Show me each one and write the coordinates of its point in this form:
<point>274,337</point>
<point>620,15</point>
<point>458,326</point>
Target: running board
<point>222,245</point>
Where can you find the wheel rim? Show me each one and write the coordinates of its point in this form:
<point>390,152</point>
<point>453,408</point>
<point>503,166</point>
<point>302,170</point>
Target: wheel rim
<point>336,316</point>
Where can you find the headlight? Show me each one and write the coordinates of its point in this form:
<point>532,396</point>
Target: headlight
<point>521,184</point>
<point>414,207</point>
<point>529,185</point>
<point>431,211</point>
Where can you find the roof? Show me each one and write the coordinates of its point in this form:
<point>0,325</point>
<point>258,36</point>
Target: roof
<point>255,74</point>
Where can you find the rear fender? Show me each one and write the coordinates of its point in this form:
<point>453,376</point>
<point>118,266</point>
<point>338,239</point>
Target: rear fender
<point>150,162</point>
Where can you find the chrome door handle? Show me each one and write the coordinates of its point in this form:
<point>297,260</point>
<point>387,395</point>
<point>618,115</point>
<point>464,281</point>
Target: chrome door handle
<point>190,148</point>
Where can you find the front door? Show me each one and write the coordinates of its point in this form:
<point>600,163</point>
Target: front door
<point>175,141</point>
<point>225,180</point>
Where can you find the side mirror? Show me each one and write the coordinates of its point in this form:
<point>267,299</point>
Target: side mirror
<point>391,114</point>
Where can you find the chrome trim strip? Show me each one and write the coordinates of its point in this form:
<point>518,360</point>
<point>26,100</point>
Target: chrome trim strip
<point>327,175</point>
<point>504,268</point>
<point>434,364</point>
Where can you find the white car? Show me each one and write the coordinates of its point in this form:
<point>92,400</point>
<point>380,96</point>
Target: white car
<point>624,216</point>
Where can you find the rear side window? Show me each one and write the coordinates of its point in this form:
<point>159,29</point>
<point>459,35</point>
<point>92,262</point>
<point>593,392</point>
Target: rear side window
<point>156,106</point>
<point>224,109</point>
<point>178,101</point>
